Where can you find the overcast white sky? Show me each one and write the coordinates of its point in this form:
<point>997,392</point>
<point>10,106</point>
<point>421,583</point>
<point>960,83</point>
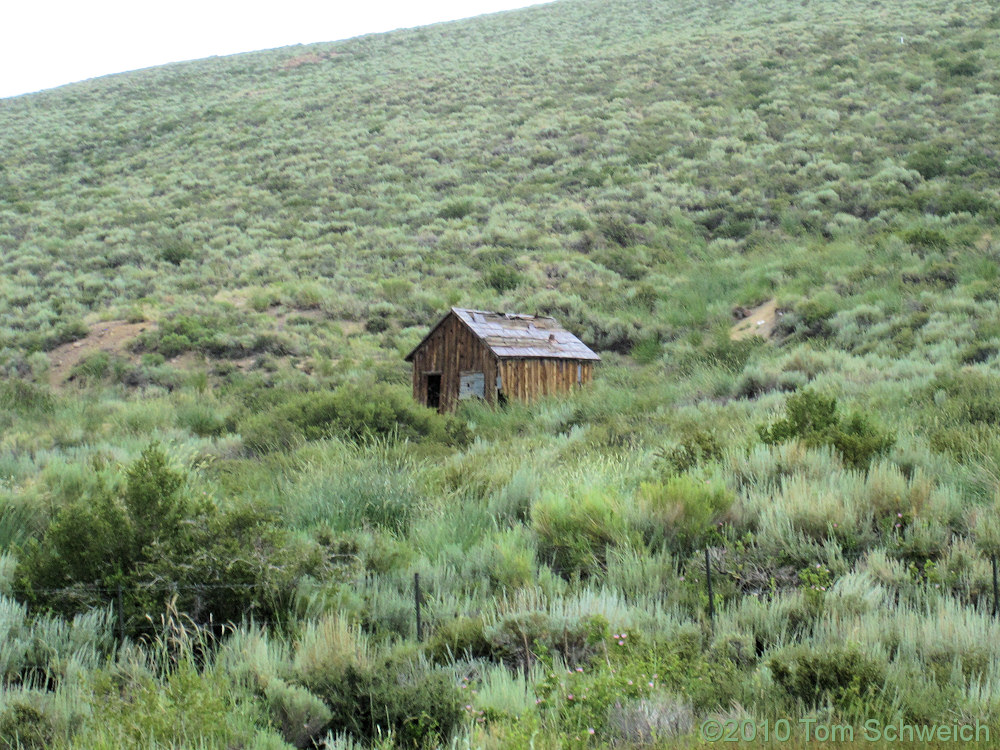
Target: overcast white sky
<point>47,43</point>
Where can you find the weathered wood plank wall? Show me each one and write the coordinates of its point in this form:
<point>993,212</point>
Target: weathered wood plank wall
<point>451,350</point>
<point>529,378</point>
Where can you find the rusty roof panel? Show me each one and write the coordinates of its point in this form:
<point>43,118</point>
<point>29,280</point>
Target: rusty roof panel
<point>517,335</point>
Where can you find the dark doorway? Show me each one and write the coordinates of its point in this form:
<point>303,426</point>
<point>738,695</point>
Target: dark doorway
<point>434,391</point>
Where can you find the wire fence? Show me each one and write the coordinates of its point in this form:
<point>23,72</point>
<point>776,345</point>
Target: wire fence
<point>133,620</point>
<point>921,575</point>
<point>130,620</point>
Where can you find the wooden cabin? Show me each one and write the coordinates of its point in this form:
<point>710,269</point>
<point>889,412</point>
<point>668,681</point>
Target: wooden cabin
<point>495,357</point>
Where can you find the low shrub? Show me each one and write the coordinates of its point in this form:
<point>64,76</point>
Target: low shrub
<point>813,419</point>
<point>977,353</point>
<point>92,367</point>
<point>461,637</point>
<point>647,722</point>
<point>419,705</point>
<point>814,314</point>
<point>575,533</point>
<point>756,381</point>
<point>219,334</point>
<point>23,726</point>
<point>523,638</point>
<point>201,418</point>
<point>299,715</point>
<point>841,674</point>
<point>151,541</point>
<point>457,209</point>
<point>930,160</point>
<point>695,446</point>
<point>965,396</point>
<point>502,278</point>
<point>177,253</point>
<point>355,412</point>
<point>962,67</point>
<point>724,353</point>
<point>647,351</point>
<point>925,238</point>
<point>188,703</point>
<point>679,512</point>
<point>22,397</point>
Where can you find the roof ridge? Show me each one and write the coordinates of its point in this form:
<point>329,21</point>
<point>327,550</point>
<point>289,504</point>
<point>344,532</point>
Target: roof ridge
<point>517,335</point>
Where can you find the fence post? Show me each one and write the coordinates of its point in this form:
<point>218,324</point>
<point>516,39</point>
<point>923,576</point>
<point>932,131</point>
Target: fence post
<point>416,602</point>
<point>708,581</point>
<point>121,613</point>
<point>996,589</point>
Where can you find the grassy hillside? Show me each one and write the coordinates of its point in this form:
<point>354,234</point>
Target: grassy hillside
<point>211,271</point>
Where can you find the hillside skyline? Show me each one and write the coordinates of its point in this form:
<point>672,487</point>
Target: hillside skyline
<point>112,37</point>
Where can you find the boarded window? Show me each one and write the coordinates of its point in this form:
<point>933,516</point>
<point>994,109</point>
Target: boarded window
<point>472,384</point>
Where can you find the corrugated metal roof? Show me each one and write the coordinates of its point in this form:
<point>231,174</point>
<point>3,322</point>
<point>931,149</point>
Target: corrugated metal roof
<point>515,335</point>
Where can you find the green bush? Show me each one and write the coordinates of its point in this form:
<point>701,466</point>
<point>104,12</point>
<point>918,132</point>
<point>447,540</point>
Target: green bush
<point>102,538</point>
<point>620,231</point>
<point>301,716</point>
<point>813,419</point>
<point>929,160</point>
<point>173,344</point>
<point>264,433</point>
<point>232,564</point>
<point>679,512</point>
<point>457,209</point>
<point>807,414</point>
<point>816,312</point>
<point>377,324</point>
<point>22,397</point>
<point>216,333</point>
<point>523,638</point>
<point>201,419</point>
<point>926,238</point>
<point>964,67</point>
<point>355,412</point>
<point>458,638</point>
<point>418,705</point>
<point>93,366</point>
<point>151,540</point>
<point>966,396</point>
<point>859,441</point>
<point>841,674</point>
<point>64,333</point>
<point>960,200</point>
<point>502,278</point>
<point>977,353</point>
<point>177,253</point>
<point>24,727</point>
<point>131,708</point>
<point>575,532</point>
<point>647,351</point>
<point>696,446</point>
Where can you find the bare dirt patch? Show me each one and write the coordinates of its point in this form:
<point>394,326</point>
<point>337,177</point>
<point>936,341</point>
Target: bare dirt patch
<point>755,321</point>
<point>112,336</point>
